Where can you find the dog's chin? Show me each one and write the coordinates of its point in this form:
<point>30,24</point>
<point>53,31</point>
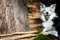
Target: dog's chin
<point>47,17</point>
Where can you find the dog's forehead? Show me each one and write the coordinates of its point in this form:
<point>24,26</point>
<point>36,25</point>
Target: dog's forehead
<point>47,8</point>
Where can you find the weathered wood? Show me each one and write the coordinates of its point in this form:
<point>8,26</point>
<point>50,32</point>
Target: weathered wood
<point>18,37</point>
<point>20,15</point>
<point>18,33</point>
<point>13,16</point>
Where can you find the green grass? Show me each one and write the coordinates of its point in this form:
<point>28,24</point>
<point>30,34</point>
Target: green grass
<point>41,37</point>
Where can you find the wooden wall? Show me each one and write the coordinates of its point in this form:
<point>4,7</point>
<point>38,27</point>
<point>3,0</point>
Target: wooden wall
<point>34,15</point>
<point>13,16</point>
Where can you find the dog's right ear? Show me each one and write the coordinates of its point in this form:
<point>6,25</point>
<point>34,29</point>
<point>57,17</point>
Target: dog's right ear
<point>42,6</point>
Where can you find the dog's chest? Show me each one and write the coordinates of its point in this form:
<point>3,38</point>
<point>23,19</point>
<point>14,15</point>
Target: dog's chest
<point>47,24</point>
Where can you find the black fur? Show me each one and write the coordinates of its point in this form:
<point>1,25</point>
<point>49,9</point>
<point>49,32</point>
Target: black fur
<point>57,24</point>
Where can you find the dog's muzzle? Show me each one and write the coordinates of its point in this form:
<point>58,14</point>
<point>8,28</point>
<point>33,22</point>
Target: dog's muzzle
<point>47,17</point>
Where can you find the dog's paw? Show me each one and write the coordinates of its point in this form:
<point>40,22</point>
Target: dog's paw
<point>55,33</point>
<point>45,33</point>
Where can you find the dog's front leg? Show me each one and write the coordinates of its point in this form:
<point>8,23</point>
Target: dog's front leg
<point>44,30</point>
<point>55,33</point>
<point>47,26</point>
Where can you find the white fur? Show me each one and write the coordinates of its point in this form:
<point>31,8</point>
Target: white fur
<point>49,29</point>
<point>50,18</point>
<point>48,24</point>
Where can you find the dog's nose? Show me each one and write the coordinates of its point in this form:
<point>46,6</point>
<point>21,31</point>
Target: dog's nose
<point>46,12</point>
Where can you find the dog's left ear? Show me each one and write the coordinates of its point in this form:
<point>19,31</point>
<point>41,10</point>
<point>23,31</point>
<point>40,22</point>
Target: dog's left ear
<point>42,5</point>
<point>53,6</point>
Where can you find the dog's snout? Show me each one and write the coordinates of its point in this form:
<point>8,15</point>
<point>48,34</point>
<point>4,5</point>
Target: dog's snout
<point>46,12</point>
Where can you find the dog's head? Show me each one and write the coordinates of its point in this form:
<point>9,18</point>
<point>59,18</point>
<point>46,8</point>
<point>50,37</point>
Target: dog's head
<point>47,11</point>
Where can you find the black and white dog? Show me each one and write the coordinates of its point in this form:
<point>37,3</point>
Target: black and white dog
<point>51,21</point>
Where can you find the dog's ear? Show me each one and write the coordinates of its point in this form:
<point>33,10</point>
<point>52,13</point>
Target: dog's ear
<point>53,6</point>
<point>42,6</point>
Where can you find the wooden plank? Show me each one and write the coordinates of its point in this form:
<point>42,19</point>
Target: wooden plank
<point>34,25</point>
<point>18,37</point>
<point>34,16</point>
<point>18,33</point>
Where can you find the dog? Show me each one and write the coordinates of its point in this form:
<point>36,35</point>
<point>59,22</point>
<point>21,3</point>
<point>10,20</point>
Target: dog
<point>50,20</point>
